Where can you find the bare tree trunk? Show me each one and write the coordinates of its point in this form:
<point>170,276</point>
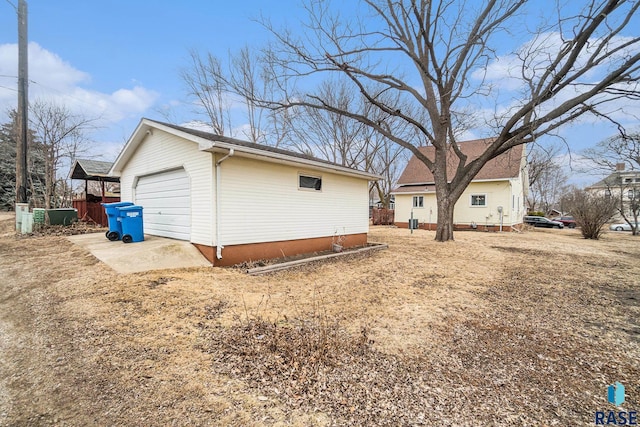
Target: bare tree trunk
<point>444,228</point>
<point>445,197</point>
<point>48,181</point>
<point>62,136</point>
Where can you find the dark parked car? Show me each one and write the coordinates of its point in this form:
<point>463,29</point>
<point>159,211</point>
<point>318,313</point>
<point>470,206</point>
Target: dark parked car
<point>568,221</point>
<point>540,221</point>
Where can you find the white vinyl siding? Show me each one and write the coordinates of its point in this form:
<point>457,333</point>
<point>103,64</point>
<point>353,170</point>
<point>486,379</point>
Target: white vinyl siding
<point>404,208</point>
<point>166,198</point>
<point>262,202</point>
<point>160,152</point>
<point>498,193</point>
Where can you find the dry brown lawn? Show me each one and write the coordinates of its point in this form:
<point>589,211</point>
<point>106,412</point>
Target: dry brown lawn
<point>492,329</point>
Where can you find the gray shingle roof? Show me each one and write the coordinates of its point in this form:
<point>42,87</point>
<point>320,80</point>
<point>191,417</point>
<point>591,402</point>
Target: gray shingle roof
<point>92,170</point>
<point>616,179</point>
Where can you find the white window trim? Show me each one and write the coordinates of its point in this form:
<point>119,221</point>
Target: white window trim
<point>471,196</point>
<point>301,174</point>
<point>413,200</point>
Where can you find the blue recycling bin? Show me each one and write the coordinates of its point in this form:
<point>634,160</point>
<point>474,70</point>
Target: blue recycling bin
<point>115,228</point>
<point>132,226</point>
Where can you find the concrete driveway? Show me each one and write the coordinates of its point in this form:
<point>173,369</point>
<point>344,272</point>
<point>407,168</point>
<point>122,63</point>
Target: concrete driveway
<point>154,253</point>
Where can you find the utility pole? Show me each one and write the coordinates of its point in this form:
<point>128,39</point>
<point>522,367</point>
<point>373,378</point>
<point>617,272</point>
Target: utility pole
<point>23,105</point>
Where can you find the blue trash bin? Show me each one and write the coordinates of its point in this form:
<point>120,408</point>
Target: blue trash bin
<point>131,220</point>
<point>115,228</point>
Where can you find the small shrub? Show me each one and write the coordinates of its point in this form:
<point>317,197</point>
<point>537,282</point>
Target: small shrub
<point>590,211</point>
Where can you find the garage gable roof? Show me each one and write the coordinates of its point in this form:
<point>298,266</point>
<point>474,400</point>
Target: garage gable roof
<point>218,143</point>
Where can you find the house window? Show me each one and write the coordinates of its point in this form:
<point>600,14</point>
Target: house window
<point>418,201</point>
<point>310,182</point>
<point>630,194</point>
<point>478,200</point>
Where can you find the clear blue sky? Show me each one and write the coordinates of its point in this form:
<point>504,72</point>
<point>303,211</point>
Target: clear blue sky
<point>121,59</point>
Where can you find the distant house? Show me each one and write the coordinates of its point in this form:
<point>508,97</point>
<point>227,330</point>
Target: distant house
<point>237,201</point>
<point>495,198</point>
<point>622,184</point>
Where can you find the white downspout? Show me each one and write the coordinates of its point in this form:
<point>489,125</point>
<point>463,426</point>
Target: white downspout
<point>218,203</point>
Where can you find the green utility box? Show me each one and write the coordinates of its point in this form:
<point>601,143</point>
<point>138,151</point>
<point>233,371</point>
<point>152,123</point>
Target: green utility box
<point>62,216</point>
<point>38,216</point>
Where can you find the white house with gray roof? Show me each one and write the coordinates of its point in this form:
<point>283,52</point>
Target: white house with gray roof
<point>238,201</point>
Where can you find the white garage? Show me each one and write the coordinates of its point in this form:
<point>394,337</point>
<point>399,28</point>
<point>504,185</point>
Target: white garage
<point>166,200</point>
<point>238,201</point>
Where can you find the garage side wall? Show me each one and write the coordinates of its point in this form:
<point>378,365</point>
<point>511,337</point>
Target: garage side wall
<point>262,202</point>
<point>161,152</point>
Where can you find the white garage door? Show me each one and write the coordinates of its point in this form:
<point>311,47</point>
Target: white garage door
<point>166,200</point>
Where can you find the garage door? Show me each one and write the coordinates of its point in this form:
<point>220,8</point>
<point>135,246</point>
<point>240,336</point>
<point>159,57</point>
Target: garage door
<point>166,200</point>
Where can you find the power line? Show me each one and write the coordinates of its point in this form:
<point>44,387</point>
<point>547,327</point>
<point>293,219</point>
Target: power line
<point>9,88</point>
<point>52,89</point>
<point>66,95</point>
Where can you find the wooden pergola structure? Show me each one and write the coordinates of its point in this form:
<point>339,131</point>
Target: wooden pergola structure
<point>90,208</point>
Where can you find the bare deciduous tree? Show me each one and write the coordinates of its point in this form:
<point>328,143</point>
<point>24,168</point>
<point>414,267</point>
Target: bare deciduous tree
<point>62,136</point>
<point>212,85</point>
<point>623,148</point>
<point>547,179</point>
<point>386,162</point>
<point>320,133</point>
<point>435,57</point>
<point>331,136</point>
<point>343,140</point>
<point>209,92</point>
<point>221,92</point>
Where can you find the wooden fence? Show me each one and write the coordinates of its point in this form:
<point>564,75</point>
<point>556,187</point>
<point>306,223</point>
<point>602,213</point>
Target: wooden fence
<point>92,210</point>
<point>382,216</point>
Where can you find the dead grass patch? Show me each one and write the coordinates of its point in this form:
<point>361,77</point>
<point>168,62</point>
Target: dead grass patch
<point>494,328</point>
